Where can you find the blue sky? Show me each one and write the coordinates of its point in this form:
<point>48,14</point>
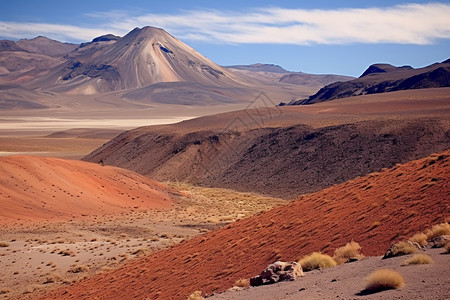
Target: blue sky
<point>340,37</point>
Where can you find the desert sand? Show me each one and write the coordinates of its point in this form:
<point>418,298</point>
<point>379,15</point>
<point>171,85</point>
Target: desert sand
<point>375,210</point>
<point>43,253</point>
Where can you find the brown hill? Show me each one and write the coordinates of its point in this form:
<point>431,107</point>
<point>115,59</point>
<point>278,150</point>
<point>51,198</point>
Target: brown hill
<point>288,151</point>
<point>52,189</point>
<point>382,78</point>
<point>375,210</point>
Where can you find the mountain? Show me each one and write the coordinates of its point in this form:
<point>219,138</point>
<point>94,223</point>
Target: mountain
<point>38,45</point>
<point>376,211</point>
<point>383,78</point>
<point>290,150</point>
<point>102,38</point>
<point>311,79</point>
<point>260,68</point>
<point>277,75</point>
<point>25,59</point>
<point>143,57</point>
<point>145,69</point>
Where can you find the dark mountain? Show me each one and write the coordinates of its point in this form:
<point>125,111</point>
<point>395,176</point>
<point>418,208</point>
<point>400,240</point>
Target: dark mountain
<point>103,38</point>
<point>382,78</point>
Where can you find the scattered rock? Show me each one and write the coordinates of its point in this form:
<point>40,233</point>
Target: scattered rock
<point>402,248</point>
<point>278,271</point>
<point>440,241</point>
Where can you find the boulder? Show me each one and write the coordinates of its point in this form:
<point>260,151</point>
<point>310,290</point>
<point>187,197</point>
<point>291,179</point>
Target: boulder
<point>402,248</point>
<point>278,271</point>
<point>440,241</point>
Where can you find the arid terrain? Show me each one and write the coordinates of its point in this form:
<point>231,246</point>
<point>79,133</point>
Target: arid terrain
<point>134,167</point>
<point>290,150</point>
<point>376,211</point>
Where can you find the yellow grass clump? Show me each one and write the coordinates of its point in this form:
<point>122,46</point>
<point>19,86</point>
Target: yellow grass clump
<point>242,283</point>
<point>384,279</point>
<point>4,244</point>
<point>438,230</point>
<point>316,260</point>
<point>197,295</point>
<point>419,238</point>
<point>419,259</point>
<point>345,253</point>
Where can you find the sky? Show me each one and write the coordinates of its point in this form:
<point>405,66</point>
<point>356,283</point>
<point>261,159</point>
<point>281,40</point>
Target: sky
<point>319,37</point>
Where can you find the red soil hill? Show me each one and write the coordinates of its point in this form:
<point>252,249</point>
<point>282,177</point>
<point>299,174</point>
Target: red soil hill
<point>375,210</point>
<point>52,189</point>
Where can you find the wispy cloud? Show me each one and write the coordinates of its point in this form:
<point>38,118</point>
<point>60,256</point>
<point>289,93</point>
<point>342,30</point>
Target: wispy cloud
<point>406,24</point>
<point>15,30</point>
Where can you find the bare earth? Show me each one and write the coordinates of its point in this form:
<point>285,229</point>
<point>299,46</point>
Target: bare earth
<point>45,255</point>
<point>347,281</point>
<point>375,211</point>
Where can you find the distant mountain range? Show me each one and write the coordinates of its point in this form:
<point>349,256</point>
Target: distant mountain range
<point>147,65</point>
<point>382,78</point>
<point>275,73</point>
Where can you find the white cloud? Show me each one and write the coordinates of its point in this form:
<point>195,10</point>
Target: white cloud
<point>15,30</point>
<point>406,24</point>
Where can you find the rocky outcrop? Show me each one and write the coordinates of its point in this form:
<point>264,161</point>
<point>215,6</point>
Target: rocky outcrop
<point>278,271</point>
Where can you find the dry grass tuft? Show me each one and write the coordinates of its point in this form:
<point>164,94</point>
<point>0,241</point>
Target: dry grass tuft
<point>197,295</point>
<point>384,279</point>
<point>418,259</point>
<point>78,269</point>
<point>4,244</point>
<point>316,260</point>
<point>438,230</point>
<point>419,238</point>
<point>242,283</point>
<point>345,253</point>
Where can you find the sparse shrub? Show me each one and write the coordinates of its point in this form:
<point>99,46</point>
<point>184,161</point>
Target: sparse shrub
<point>384,279</point>
<point>316,260</point>
<point>345,253</point>
<point>400,248</point>
<point>242,283</point>
<point>197,295</point>
<point>4,244</point>
<point>419,238</point>
<point>78,269</point>
<point>5,291</point>
<point>418,259</point>
<point>141,252</point>
<point>438,230</point>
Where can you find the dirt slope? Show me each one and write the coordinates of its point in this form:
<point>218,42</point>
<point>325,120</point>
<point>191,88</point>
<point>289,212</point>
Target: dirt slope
<point>374,210</point>
<point>51,189</point>
<point>288,151</point>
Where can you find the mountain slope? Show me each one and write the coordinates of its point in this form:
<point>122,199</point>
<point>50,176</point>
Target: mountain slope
<point>38,188</point>
<point>382,78</point>
<point>375,211</point>
<point>288,150</point>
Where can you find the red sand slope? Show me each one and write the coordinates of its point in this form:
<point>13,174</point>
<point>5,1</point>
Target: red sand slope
<point>374,210</point>
<point>38,188</point>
